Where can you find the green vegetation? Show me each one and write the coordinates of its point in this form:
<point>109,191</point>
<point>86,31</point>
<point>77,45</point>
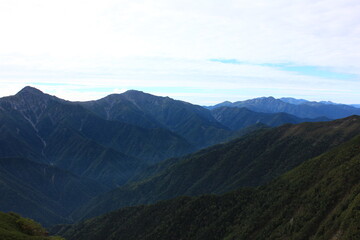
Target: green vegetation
<point>14,227</point>
<point>249,161</point>
<point>57,155</point>
<point>318,200</point>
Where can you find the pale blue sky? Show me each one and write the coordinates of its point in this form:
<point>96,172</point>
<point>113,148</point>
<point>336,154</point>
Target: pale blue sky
<point>323,72</point>
<point>205,51</point>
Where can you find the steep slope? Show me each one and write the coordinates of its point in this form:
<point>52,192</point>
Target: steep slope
<point>249,161</point>
<point>318,200</point>
<point>304,110</point>
<point>194,123</point>
<point>18,117</point>
<point>42,192</point>
<point>50,130</point>
<point>117,107</point>
<point>239,118</point>
<point>15,227</point>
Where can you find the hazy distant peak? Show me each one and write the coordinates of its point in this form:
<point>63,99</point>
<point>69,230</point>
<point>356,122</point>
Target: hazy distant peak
<point>293,100</point>
<point>224,104</point>
<point>327,102</point>
<point>262,99</point>
<point>270,97</point>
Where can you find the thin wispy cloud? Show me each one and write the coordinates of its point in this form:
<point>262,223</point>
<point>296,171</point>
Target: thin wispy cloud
<point>286,48</point>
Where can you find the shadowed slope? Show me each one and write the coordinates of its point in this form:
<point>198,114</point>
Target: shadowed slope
<point>42,192</point>
<point>239,118</point>
<point>318,200</point>
<point>249,161</point>
<point>192,122</point>
<point>44,128</point>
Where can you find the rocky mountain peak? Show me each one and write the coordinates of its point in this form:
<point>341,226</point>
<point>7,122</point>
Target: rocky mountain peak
<point>28,90</point>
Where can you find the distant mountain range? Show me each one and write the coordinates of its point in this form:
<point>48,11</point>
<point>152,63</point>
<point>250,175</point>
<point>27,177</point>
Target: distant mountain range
<point>298,107</point>
<point>240,118</point>
<point>61,161</point>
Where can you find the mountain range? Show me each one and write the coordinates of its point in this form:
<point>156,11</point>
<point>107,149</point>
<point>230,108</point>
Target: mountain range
<point>63,161</point>
<point>240,118</point>
<point>192,122</point>
<point>317,200</point>
<point>252,160</point>
<point>298,107</point>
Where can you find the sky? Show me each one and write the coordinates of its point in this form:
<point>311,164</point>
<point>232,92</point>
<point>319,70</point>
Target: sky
<point>204,51</point>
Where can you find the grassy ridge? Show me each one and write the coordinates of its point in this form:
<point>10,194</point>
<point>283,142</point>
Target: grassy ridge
<point>14,227</point>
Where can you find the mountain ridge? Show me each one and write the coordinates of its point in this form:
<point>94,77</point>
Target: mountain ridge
<point>192,122</point>
<point>317,200</point>
<point>252,160</point>
<point>305,109</point>
<point>238,118</point>
<point>117,139</point>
